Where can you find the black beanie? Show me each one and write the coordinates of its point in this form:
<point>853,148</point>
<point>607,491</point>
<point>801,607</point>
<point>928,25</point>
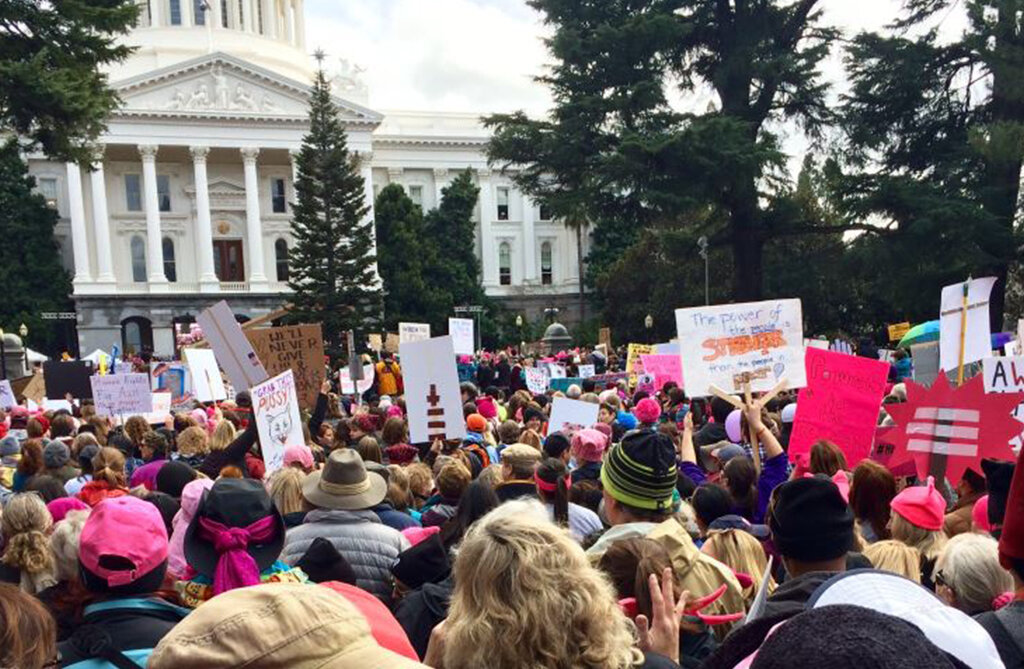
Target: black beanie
<point>322,562</point>
<point>998,474</point>
<point>173,477</point>
<point>810,521</point>
<point>426,562</point>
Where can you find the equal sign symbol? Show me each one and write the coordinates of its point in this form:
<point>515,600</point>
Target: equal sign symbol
<point>436,427</point>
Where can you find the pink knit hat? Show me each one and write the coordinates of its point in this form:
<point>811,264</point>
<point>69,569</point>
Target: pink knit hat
<point>394,411</point>
<point>842,481</point>
<point>647,411</point>
<point>979,514</point>
<point>589,445</point>
<point>486,408</point>
<point>417,534</point>
<point>922,506</point>
<point>299,454</point>
<point>61,506</point>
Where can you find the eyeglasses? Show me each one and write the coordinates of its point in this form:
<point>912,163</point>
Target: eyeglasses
<point>940,579</point>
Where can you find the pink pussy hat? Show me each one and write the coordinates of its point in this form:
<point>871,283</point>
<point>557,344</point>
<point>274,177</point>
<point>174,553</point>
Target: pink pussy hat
<point>922,506</point>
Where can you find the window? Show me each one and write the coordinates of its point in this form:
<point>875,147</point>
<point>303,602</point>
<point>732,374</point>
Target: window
<point>416,195</point>
<point>199,12</point>
<point>281,258</point>
<point>48,189</point>
<point>241,14</point>
<point>259,17</point>
<point>138,259</point>
<point>170,268</point>
<point>136,334</point>
<point>505,264</point>
<point>503,204</point>
<point>224,13</point>
<point>175,12</point>
<point>163,191</point>
<point>277,197</point>
<point>545,263</point>
<point>545,212</point>
<point>227,260</point>
<point>133,192</point>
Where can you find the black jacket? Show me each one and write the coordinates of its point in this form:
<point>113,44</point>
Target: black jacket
<point>131,626</point>
<point>791,597</point>
<point>233,454</point>
<point>421,610</point>
<point>510,490</point>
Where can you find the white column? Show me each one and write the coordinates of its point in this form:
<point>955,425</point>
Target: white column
<point>204,229</point>
<point>366,172</point>
<point>289,21</point>
<point>188,18</point>
<point>293,155</point>
<point>154,13</point>
<point>248,17</point>
<point>79,238</point>
<point>100,221</point>
<point>213,17</point>
<point>440,181</point>
<point>253,226</point>
<point>300,23</point>
<point>269,19</point>
<point>529,241</point>
<point>151,202</point>
<point>489,259</point>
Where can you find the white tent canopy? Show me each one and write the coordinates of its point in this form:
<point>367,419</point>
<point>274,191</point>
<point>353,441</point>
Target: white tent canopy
<point>34,356</point>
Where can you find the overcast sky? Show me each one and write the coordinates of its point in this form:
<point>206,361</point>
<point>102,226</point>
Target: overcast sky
<point>481,55</point>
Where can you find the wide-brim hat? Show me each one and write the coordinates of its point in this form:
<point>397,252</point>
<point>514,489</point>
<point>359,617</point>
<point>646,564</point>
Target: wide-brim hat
<point>234,503</point>
<point>344,483</point>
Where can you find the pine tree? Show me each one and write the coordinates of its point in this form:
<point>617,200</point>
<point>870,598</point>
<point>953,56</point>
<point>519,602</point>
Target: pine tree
<point>451,226</point>
<point>333,263</point>
<point>31,272</point>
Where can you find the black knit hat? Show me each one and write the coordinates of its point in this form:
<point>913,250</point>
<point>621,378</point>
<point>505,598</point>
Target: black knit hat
<point>426,562</point>
<point>322,562</point>
<point>173,477</point>
<point>998,474</point>
<point>810,521</point>
<point>641,471</point>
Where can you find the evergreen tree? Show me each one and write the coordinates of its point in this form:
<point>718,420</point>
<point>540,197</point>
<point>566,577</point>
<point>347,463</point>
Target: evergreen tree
<point>31,272</point>
<point>53,94</point>
<point>451,227</point>
<point>333,263</point>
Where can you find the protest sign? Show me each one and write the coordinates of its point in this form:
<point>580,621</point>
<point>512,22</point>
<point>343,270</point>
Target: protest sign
<point>841,346</point>
<point>536,380</point>
<point>299,348</point>
<point>350,387</point>
<point>668,348</point>
<point>645,383</point>
<point>234,352</point>
<point>1006,375</point>
<point>926,362</point>
<point>840,403</point>
<point>206,378</point>
<point>816,343</point>
<point>35,389</point>
<point>161,408</point>
<point>585,371</point>
<point>461,331</point>
<point>604,337</point>
<point>432,396</point>
<point>71,377</point>
<point>633,353</point>
<point>886,355</point>
<point>275,408</point>
<point>571,416</point>
<point>977,340</point>
<point>411,332</point>
<point>898,330</point>
<point>175,378</point>
<point>121,394</point>
<point>556,371</point>
<point>57,405</point>
<point>6,395</point>
<point>731,345</point>
<point>664,368</point>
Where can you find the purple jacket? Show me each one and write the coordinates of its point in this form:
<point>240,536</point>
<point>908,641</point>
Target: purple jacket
<point>146,474</point>
<point>773,473</point>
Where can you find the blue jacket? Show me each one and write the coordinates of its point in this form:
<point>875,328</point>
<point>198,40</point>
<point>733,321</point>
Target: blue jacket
<point>393,518</point>
<point>134,625</point>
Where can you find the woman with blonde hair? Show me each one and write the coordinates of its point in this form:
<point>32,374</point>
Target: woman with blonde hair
<point>223,434</point>
<point>108,477</point>
<point>742,552</point>
<point>193,445</point>
<point>27,559</point>
<point>968,575</point>
<point>895,557</point>
<point>285,488</point>
<point>917,516</point>
<point>521,578</point>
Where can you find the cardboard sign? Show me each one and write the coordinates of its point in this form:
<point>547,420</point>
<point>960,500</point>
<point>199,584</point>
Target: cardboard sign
<point>234,352</point>
<point>299,348</point>
<point>350,387</point>
<point>275,407</point>
<point>926,362</point>
<point>375,343</point>
<point>7,400</point>
<point>392,343</point>
<point>122,394</point>
<point>586,371</point>
<point>840,403</point>
<point>664,369</point>
<point>206,378</point>
<point>536,380</point>
<point>461,332</point>
<point>35,389</point>
<point>604,337</point>
<point>729,345</point>
<point>175,378</point>
<point>1006,375</point>
<point>898,331</point>
<point>411,332</point>
<point>571,416</point>
<point>432,397</point>
<point>161,408</point>
<point>978,340</point>
<point>72,377</point>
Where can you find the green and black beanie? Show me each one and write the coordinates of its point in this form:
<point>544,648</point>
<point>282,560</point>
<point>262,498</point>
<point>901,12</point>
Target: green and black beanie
<point>641,471</point>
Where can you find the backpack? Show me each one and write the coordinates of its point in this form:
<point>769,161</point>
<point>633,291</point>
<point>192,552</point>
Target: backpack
<point>479,451</point>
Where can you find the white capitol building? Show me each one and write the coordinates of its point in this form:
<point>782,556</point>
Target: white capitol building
<point>188,200</point>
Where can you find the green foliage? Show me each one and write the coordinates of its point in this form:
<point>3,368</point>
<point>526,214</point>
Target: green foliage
<point>52,92</point>
<point>30,267</point>
<point>332,264</point>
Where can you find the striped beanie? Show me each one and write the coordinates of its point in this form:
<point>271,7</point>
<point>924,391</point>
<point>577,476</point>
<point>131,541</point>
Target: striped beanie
<point>641,471</point>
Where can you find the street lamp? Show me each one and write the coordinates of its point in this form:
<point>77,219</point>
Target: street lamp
<point>702,244</point>
<point>649,323</point>
<point>23,331</point>
<point>519,321</point>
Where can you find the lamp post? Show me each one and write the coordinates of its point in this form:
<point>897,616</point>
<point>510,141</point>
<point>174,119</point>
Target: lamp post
<point>702,244</point>
<point>23,331</point>
<point>519,327</point>
<point>3,354</point>
<point>649,323</point>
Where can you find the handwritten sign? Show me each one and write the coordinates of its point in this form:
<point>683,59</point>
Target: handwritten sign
<point>275,407</point>
<point>461,331</point>
<point>410,332</point>
<point>206,378</point>
<point>121,394</point>
<point>299,348</point>
<point>234,352</point>
<point>586,371</point>
<point>840,403</point>
<point>571,416</point>
<point>634,365</point>
<point>432,396</point>
<point>728,345</point>
<point>664,369</point>
<point>175,378</point>
<point>977,341</point>
<point>161,408</point>
<point>360,386</point>
<point>7,400</point>
<point>898,331</point>
<point>1006,375</point>
<point>536,380</point>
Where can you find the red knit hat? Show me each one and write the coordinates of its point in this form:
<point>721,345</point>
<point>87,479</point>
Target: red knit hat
<point>1011,541</point>
<point>922,506</point>
<point>476,423</point>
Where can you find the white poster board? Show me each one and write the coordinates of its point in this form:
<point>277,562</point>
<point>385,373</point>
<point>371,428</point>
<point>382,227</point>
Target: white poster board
<point>161,408</point>
<point>463,337</point>
<point>7,400</point>
<point>571,416</point>
<point>206,378</point>
<point>536,380</point>
<point>556,371</point>
<point>1006,375</point>
<point>978,340</point>
<point>432,397</point>
<point>121,394</point>
<point>586,371</point>
<point>349,387</point>
<point>816,343</point>
<point>758,342</point>
<point>234,352</point>
<point>275,407</point>
<point>410,332</point>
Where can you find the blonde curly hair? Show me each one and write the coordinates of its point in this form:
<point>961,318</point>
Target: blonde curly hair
<point>25,524</point>
<point>741,552</point>
<point>511,583</point>
<point>193,441</point>
<point>285,489</point>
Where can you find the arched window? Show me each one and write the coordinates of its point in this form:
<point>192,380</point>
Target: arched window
<point>138,259</point>
<point>545,264</point>
<point>136,334</point>
<point>505,264</point>
<point>281,259</point>
<point>170,267</point>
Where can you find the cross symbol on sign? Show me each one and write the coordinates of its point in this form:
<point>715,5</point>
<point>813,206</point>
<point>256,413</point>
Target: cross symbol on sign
<point>435,415</point>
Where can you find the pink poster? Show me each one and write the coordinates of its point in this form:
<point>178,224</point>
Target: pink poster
<point>840,403</point>
<point>664,368</point>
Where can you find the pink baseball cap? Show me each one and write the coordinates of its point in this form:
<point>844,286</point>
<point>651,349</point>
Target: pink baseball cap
<point>979,514</point>
<point>129,530</point>
<point>922,506</point>
<point>299,454</point>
